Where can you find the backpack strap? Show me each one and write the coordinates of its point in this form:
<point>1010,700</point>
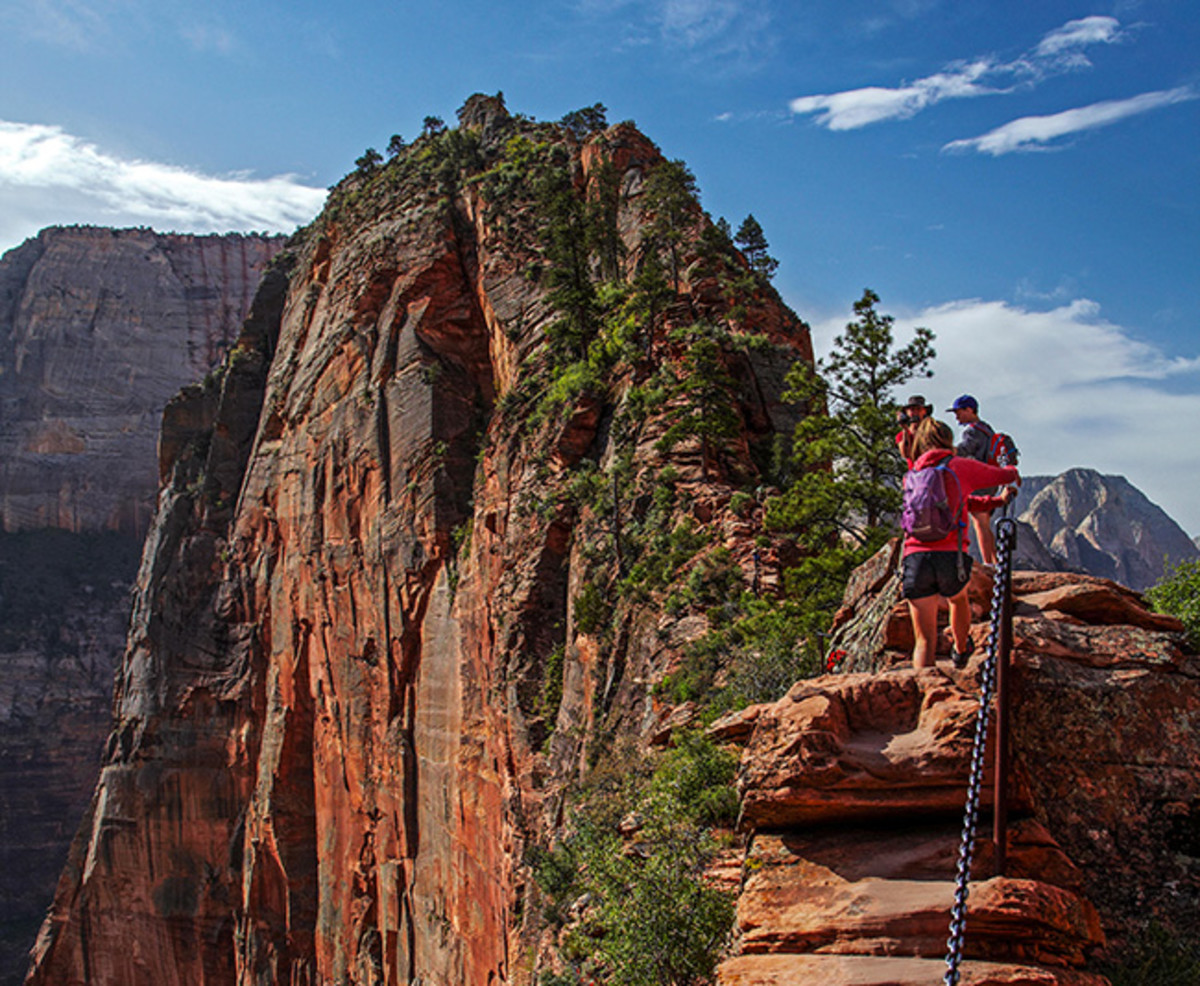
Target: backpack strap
<point>959,521</point>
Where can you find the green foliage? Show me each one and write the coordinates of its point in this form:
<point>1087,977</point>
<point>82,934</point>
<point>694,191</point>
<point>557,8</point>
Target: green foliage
<point>670,196</point>
<point>762,651</point>
<point>370,160</point>
<point>587,120</point>
<point>695,779</point>
<point>552,685</point>
<point>433,126</point>
<point>1179,594</point>
<point>753,241</point>
<point>604,200</point>
<point>653,920</point>
<point>568,264</point>
<point>395,145</point>
<point>1157,957</point>
<point>851,469</point>
<point>706,390</point>
<point>592,611</point>
<point>741,503</point>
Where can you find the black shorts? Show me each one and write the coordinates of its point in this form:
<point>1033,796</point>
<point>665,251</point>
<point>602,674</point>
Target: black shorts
<point>934,573</point>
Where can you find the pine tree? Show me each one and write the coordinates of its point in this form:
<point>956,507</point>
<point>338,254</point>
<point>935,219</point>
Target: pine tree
<point>709,410</point>
<point>753,242</point>
<point>841,507</point>
<point>670,197</point>
<point>369,161</point>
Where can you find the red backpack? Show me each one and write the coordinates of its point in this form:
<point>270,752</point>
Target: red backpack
<point>1002,450</point>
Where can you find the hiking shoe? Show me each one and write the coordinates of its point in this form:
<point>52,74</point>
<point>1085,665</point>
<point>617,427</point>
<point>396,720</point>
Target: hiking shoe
<point>960,658</point>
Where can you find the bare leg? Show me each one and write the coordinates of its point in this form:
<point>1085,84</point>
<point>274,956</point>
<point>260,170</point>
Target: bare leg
<point>982,523</point>
<point>960,620</point>
<point>924,620</point>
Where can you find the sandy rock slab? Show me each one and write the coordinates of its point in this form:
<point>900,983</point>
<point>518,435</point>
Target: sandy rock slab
<point>847,970</point>
<point>859,746</point>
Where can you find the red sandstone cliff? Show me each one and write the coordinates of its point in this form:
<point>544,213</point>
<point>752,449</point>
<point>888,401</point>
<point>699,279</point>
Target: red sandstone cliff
<point>331,744</point>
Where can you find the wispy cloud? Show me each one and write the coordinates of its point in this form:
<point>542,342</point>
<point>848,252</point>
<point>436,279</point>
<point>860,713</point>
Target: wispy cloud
<point>1061,50</point>
<point>1035,132</point>
<point>1078,34</point>
<point>74,24</point>
<point>862,107</point>
<point>738,30</point>
<point>48,177</point>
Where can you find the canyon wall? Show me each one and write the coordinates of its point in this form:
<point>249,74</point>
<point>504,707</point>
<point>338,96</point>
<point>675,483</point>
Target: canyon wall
<point>99,328</point>
<point>332,740</point>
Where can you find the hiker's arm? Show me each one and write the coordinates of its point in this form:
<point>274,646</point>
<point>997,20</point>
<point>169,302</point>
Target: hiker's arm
<point>976,475</point>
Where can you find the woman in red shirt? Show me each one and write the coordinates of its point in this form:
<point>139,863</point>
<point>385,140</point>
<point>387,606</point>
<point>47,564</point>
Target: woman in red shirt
<point>931,569</point>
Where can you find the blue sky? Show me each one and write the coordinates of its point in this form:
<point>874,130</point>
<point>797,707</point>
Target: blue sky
<point>1020,177</point>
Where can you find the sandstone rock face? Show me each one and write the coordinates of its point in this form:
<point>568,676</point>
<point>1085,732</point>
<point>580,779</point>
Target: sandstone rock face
<point>1104,790</point>
<point>98,329</point>
<point>333,739</point>
<point>1102,525</point>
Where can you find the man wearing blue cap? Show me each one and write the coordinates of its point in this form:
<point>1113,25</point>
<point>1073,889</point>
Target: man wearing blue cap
<point>976,440</point>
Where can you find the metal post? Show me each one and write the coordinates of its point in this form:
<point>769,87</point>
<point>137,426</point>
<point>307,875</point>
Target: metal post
<point>1000,800</point>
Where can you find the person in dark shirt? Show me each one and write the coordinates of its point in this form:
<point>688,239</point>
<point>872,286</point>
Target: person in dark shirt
<point>976,440</point>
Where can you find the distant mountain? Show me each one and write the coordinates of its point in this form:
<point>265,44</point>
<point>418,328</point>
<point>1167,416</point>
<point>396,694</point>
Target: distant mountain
<point>1102,525</point>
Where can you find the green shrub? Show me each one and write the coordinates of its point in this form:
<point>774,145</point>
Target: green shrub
<point>1157,957</point>
<point>1179,594</point>
<point>592,612</point>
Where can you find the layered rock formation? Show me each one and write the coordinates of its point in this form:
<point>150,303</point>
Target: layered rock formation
<point>98,329</point>
<point>1106,783</point>
<point>356,677</point>
<point>1101,525</point>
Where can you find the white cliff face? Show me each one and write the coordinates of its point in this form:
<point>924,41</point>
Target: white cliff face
<point>1103,525</point>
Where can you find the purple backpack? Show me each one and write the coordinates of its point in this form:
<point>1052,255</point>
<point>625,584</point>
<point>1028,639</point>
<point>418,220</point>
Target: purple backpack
<point>926,514</point>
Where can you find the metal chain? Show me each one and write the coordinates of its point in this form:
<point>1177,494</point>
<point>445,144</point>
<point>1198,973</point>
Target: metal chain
<point>1006,530</point>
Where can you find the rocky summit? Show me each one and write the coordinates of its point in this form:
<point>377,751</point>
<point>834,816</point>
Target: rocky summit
<point>483,471</point>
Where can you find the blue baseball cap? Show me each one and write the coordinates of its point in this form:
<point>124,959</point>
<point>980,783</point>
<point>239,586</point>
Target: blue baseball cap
<point>965,401</point>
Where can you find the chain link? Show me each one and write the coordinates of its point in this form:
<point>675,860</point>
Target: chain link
<point>1006,530</point>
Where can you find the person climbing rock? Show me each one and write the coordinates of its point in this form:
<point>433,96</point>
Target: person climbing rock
<point>975,444</point>
<point>908,417</point>
<point>936,565</point>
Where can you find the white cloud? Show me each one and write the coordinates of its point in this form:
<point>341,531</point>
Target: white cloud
<point>49,177</point>
<point>861,107</point>
<point>1059,51</point>
<point>1074,390</point>
<point>1077,34</point>
<point>1034,132</point>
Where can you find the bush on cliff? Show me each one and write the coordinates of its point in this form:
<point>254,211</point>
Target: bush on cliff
<point>1179,594</point>
<point>1157,957</point>
<point>636,862</point>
